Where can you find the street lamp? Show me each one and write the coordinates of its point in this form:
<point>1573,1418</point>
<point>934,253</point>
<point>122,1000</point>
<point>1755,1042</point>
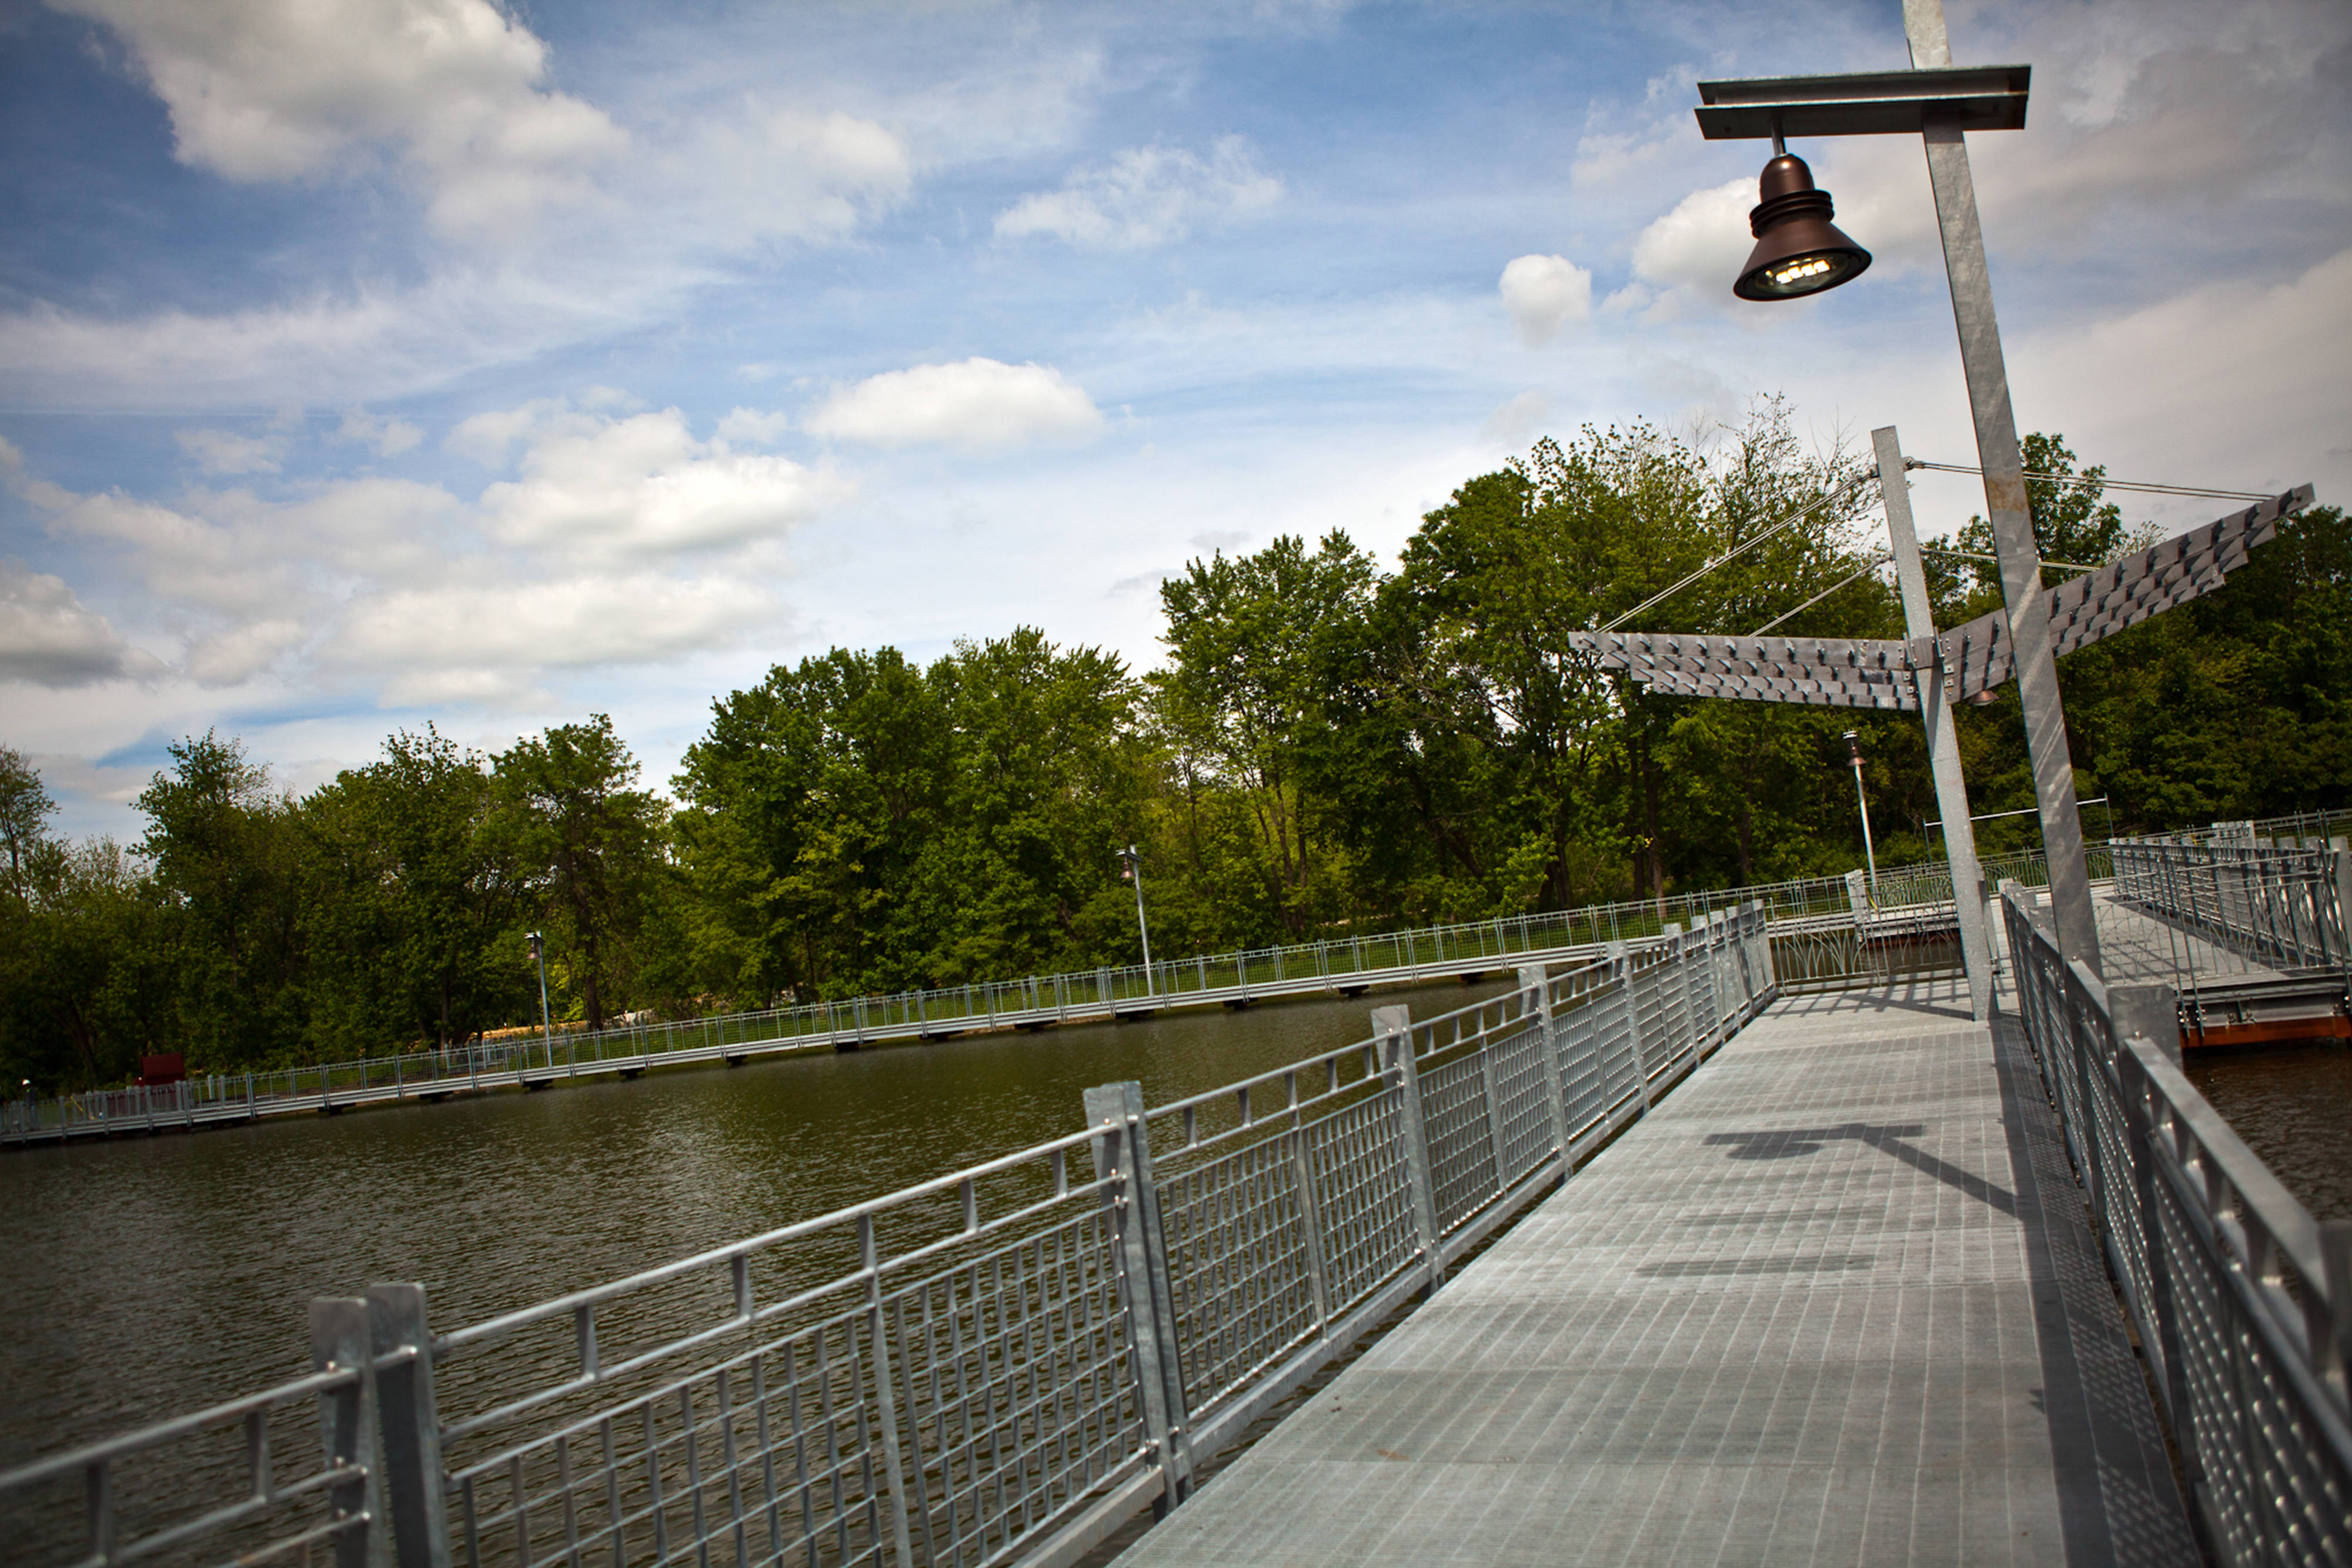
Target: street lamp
<point>1939,104</point>
<point>1869,854</point>
<point>1132,870</point>
<point>546,1029</point>
<point>1798,250</point>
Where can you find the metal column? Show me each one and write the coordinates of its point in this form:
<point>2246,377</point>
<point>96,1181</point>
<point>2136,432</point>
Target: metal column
<point>1935,715</point>
<point>2005,502</point>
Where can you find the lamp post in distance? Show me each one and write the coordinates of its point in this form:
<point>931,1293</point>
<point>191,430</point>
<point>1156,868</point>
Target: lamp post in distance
<point>546,1028</point>
<point>1869,854</point>
<point>1131,870</point>
<point>1799,253</point>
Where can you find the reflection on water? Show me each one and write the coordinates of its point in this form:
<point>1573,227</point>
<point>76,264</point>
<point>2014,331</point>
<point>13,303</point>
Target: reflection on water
<point>2293,1104</point>
<point>147,1277</point>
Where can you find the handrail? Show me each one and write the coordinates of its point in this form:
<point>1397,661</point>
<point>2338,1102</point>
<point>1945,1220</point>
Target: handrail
<point>2242,1301</point>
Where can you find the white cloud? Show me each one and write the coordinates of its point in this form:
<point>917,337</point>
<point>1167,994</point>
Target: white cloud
<point>1144,196</point>
<point>2217,386</point>
<point>752,428</point>
<point>785,173</point>
<point>259,90</point>
<point>49,638</point>
<point>1543,293</point>
<point>224,452</point>
<point>236,655</point>
<point>644,485</point>
<point>1701,244</point>
<point>489,644</point>
<point>409,591</point>
<point>390,437</point>
<point>1516,420</point>
<point>487,437</point>
<point>976,404</point>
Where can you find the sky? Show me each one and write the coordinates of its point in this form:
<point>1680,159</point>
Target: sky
<point>372,363</point>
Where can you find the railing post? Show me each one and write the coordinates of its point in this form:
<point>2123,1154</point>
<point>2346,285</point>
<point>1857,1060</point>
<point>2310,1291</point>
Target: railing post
<point>1115,1113</point>
<point>1392,1026</point>
<point>2151,1012</point>
<point>411,1424</point>
<point>1533,981</point>
<point>347,1420</point>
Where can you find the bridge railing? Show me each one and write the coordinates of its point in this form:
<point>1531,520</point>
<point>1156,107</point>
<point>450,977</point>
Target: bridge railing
<point>2242,1303</point>
<point>1001,1364</point>
<point>2274,903</point>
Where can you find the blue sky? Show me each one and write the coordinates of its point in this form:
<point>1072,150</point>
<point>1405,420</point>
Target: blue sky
<point>368,362</point>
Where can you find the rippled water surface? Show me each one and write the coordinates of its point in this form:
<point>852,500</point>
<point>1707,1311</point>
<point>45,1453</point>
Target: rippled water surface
<point>2293,1104</point>
<point>142,1277</point>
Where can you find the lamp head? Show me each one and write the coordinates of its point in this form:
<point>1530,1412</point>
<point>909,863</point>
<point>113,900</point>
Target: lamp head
<point>1798,250</point>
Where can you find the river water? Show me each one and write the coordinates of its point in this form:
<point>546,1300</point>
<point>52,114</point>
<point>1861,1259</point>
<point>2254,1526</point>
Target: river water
<point>2293,1104</point>
<point>144,1277</point>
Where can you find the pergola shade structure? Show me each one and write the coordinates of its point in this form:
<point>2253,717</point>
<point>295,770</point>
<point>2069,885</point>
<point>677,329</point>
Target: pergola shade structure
<point>1971,660</point>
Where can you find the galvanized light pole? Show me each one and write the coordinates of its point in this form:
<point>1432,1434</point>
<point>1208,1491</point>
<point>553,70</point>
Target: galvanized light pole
<point>546,1028</point>
<point>1869,852</point>
<point>1939,103</point>
<point>1134,872</point>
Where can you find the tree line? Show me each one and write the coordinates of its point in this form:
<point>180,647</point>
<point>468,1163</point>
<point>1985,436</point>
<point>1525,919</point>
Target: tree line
<point>1329,747</point>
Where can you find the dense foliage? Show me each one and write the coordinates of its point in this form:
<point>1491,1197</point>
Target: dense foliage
<point>1329,746</point>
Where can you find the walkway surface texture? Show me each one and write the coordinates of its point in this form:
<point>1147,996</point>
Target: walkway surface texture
<point>1834,1300</point>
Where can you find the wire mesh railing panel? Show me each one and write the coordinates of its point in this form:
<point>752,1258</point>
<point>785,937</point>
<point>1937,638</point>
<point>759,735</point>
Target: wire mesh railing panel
<point>1363,1195</point>
<point>1523,1090</point>
<point>767,1456</point>
<point>1652,1019</point>
<point>1460,1136</point>
<point>1016,1389</point>
<point>950,1364</point>
<point>1596,1059</point>
<point>1237,1262</point>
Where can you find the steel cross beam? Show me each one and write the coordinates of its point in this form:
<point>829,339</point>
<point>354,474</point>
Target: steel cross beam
<point>1971,660</point>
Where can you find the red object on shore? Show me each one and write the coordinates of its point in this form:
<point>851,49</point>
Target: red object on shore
<point>157,1071</point>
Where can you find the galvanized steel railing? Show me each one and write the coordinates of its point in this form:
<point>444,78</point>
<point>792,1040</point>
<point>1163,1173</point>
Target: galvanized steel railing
<point>634,1047</point>
<point>2279,904</point>
<point>2243,1304</point>
<point>1001,1364</point>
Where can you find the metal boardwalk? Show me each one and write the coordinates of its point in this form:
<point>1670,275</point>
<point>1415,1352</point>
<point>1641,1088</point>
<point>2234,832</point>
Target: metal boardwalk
<point>1833,1300</point>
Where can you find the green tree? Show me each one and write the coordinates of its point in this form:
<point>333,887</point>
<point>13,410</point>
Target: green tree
<point>592,847</point>
<point>423,932</point>
<point>230,863</point>
<point>1251,642</point>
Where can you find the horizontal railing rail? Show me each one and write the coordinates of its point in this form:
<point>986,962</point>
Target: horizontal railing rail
<point>1329,965</point>
<point>1007,1362</point>
<point>2242,1303</point>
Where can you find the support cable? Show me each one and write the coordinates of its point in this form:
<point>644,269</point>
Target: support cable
<point>1799,514</point>
<point>2102,482</point>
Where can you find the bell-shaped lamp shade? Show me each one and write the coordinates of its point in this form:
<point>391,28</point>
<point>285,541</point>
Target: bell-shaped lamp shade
<point>1798,250</point>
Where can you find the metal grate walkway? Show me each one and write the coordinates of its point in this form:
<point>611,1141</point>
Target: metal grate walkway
<point>1834,1300</point>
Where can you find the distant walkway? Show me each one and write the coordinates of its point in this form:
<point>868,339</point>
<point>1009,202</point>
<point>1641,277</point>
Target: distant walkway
<point>1833,1300</point>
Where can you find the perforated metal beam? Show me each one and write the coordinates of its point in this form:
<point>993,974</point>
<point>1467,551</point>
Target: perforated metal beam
<point>1970,659</point>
